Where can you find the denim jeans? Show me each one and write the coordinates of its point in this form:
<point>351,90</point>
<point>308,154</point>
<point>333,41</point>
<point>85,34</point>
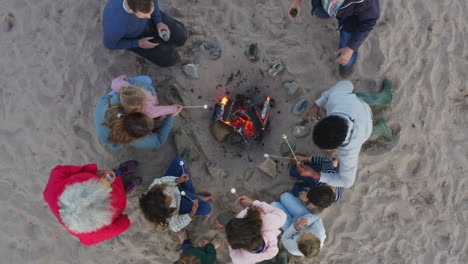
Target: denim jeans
<point>345,37</point>
<point>186,204</point>
<point>292,207</point>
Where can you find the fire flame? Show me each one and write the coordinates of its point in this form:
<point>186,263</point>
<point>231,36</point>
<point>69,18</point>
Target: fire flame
<point>225,100</point>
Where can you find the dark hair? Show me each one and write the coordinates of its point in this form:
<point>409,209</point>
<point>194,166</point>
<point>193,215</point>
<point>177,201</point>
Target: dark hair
<point>245,233</point>
<point>321,196</point>
<point>187,258</point>
<point>138,125</point>
<point>143,6</point>
<point>153,205</point>
<point>330,132</point>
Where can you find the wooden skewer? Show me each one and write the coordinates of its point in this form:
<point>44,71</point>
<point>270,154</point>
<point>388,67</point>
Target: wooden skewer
<point>290,148</point>
<point>184,194</point>
<point>233,190</point>
<point>196,106</point>
<point>277,157</point>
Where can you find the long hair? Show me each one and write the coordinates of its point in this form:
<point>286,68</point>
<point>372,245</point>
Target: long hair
<point>154,208</point>
<point>133,99</point>
<point>126,128</point>
<point>187,258</point>
<point>246,233</point>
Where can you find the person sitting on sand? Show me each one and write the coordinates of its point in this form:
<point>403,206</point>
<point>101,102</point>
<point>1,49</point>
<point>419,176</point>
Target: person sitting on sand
<point>206,254</point>
<point>304,232</point>
<point>346,127</point>
<point>139,26</point>
<point>311,190</point>
<point>141,97</point>
<point>117,127</point>
<point>252,234</point>
<point>89,202</point>
<point>356,19</point>
<point>164,205</point>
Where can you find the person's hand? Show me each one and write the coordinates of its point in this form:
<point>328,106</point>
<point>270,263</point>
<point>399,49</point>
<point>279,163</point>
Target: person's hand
<point>102,173</point>
<point>302,158</point>
<point>179,109</point>
<point>295,4</point>
<point>306,171</point>
<point>217,225</point>
<point>194,208</point>
<point>204,242</point>
<point>314,111</point>
<point>183,178</point>
<point>299,223</point>
<point>145,43</point>
<point>303,197</point>
<point>160,26</point>
<point>244,201</point>
<point>345,55</point>
<point>156,100</point>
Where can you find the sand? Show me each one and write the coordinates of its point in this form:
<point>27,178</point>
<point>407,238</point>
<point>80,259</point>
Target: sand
<point>409,203</point>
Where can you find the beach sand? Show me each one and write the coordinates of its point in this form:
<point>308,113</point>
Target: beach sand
<point>409,203</point>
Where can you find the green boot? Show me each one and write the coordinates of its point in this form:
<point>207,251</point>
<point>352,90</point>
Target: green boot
<point>383,98</point>
<point>381,128</point>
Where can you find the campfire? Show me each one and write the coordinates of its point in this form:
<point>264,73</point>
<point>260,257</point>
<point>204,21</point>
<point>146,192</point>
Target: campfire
<point>240,117</point>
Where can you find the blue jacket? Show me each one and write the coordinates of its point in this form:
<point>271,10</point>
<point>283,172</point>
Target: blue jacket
<point>153,140</point>
<point>358,17</point>
<point>121,29</point>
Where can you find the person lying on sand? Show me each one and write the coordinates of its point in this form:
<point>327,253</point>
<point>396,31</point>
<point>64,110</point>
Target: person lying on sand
<point>311,190</point>
<point>304,232</point>
<point>356,19</point>
<point>206,254</point>
<point>89,202</point>
<point>346,127</point>
<point>171,200</point>
<point>139,26</point>
<point>252,234</point>
<point>117,127</point>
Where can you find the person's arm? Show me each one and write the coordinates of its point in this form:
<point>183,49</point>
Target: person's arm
<point>143,81</point>
<point>315,226</point>
<point>118,83</point>
<point>156,15</point>
<point>114,32</point>
<point>276,217</point>
<point>60,172</point>
<point>100,117</point>
<point>290,242</point>
<point>367,19</point>
<point>346,174</point>
<point>158,138</point>
<point>169,180</point>
<point>340,87</point>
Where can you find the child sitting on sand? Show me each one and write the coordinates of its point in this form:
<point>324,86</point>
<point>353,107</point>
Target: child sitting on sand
<point>197,255</point>
<point>252,234</point>
<point>140,96</point>
<point>165,205</point>
<point>311,190</point>
<point>304,233</point>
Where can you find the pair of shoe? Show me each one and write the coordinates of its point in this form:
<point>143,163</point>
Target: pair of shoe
<point>346,71</point>
<point>128,168</point>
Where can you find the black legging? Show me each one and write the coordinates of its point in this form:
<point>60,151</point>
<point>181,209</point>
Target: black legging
<point>163,55</point>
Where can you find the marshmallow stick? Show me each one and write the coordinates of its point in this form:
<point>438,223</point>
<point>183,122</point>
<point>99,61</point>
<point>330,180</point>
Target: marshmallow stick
<point>196,106</point>
<point>184,194</point>
<point>276,157</point>
<point>233,191</point>
<point>286,139</point>
<point>181,163</point>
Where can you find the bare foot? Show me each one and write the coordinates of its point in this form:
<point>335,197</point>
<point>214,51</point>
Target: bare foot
<point>216,242</point>
<point>217,225</point>
<point>206,198</point>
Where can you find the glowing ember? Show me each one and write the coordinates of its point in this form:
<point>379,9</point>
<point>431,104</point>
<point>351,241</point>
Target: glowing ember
<point>224,101</point>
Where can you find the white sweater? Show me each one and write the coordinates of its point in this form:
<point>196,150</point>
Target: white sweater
<point>291,235</point>
<point>341,101</point>
<point>177,221</point>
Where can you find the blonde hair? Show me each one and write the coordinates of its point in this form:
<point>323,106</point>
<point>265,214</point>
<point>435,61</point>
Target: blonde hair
<point>189,259</point>
<point>133,98</point>
<point>122,125</point>
<point>310,245</point>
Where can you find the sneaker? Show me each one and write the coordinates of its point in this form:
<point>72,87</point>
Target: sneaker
<point>346,71</point>
<point>132,185</point>
<point>126,168</point>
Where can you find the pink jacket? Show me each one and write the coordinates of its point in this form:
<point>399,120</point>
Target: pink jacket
<point>273,219</point>
<point>151,109</point>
